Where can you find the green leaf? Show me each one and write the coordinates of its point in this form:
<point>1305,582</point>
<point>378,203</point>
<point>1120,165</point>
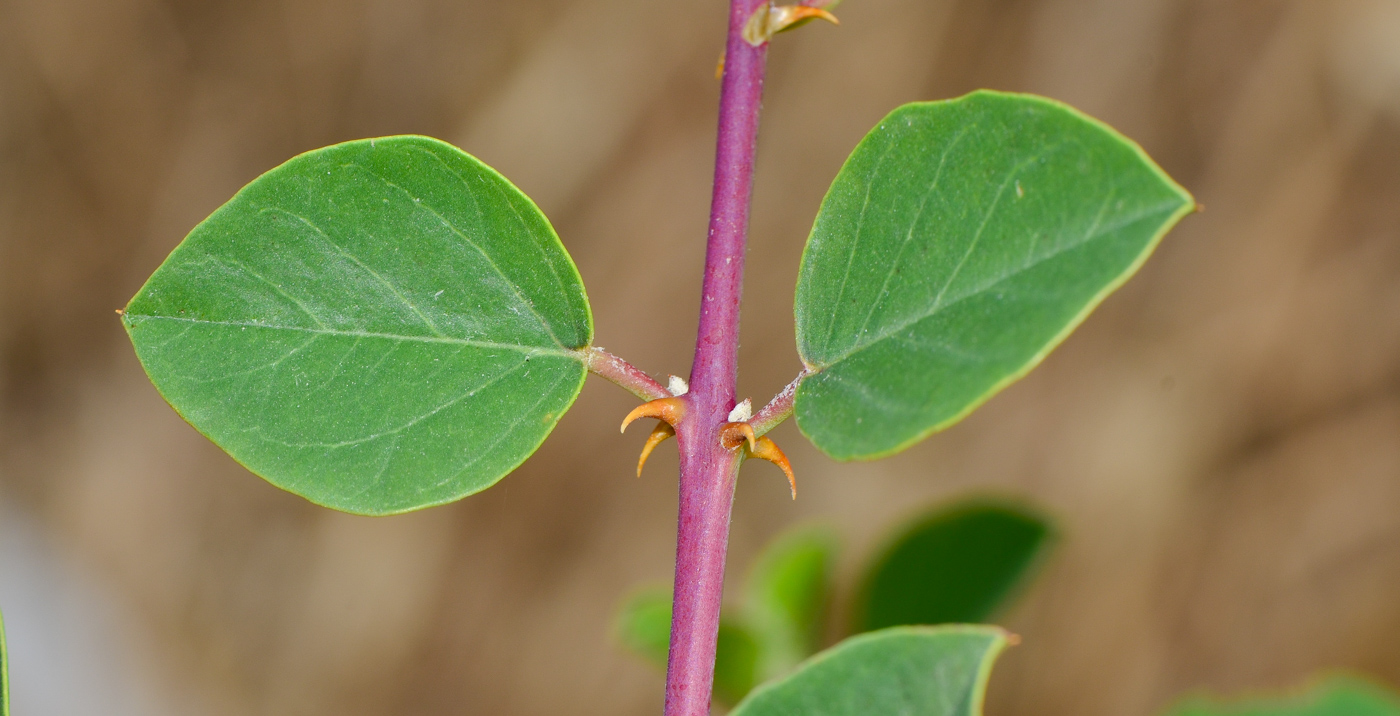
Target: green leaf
<point>789,588</point>
<point>4,672</point>
<point>644,625</point>
<point>955,564</point>
<point>736,661</point>
<point>644,628</point>
<point>912,671</point>
<point>1334,696</point>
<point>959,244</point>
<point>378,326</point>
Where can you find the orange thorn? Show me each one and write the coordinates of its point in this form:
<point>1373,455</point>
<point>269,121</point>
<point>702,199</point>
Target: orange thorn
<point>799,13</point>
<point>670,410</point>
<point>769,20</point>
<point>732,435</point>
<point>766,449</point>
<point>658,435</point>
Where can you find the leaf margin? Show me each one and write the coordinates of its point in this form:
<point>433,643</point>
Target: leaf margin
<point>579,354</point>
<point>1188,207</point>
<point>1002,639</point>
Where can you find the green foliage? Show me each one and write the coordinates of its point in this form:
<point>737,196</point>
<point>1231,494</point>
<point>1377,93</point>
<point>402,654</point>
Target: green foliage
<point>644,627</point>
<point>959,244</point>
<point>955,564</point>
<point>913,671</point>
<point>777,626</point>
<point>1335,696</point>
<point>789,588</point>
<point>4,672</point>
<point>736,661</point>
<point>378,326</point>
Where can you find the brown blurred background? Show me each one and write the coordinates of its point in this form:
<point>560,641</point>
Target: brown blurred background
<point>1221,441</point>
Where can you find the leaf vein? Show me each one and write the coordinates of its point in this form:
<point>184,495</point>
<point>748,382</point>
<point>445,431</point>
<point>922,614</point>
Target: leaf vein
<point>918,318</point>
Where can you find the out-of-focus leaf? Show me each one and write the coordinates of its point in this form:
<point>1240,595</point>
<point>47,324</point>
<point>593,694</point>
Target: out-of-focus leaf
<point>789,588</point>
<point>644,628</point>
<point>960,243</point>
<point>1335,696</point>
<point>378,326</point>
<point>911,671</point>
<point>644,625</point>
<point>955,564</point>
<point>736,661</point>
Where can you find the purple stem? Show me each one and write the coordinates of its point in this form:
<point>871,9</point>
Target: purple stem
<point>708,471</point>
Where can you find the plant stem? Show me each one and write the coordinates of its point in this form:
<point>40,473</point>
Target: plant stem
<point>779,408</point>
<point>708,471</point>
<point>619,371</point>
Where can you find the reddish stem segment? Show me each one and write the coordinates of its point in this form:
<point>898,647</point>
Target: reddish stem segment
<point>708,470</point>
<point>619,371</point>
<point>779,408</point>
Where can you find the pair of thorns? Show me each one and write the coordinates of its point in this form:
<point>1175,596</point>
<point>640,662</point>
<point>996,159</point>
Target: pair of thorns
<point>732,435</point>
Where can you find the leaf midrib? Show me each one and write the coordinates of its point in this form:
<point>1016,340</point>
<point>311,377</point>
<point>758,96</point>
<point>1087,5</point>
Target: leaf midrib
<point>449,340</point>
<point>1095,232</point>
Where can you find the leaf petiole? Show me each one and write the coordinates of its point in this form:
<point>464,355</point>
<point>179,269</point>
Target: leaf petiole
<point>624,374</point>
<point>779,408</point>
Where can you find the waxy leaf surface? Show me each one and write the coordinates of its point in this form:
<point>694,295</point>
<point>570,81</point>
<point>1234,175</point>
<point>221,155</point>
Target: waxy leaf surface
<point>1335,696</point>
<point>959,244</point>
<point>957,564</point>
<point>912,671</point>
<point>378,326</point>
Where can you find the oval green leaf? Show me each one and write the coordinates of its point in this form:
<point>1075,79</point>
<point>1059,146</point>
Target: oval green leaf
<point>378,326</point>
<point>913,671</point>
<point>956,564</point>
<point>959,244</point>
<point>1334,696</point>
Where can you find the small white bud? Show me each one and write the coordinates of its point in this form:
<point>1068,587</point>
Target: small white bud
<point>678,386</point>
<point>741,412</point>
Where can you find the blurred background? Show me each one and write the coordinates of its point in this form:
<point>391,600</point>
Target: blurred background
<point>1220,441</point>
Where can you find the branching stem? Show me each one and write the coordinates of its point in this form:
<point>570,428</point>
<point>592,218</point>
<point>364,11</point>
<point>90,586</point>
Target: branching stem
<point>708,470</point>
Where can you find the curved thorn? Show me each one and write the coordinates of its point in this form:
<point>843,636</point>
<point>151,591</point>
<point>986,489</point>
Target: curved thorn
<point>732,435</point>
<point>658,435</point>
<point>670,410</point>
<point>769,20</point>
<point>766,449</point>
<point>798,13</point>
